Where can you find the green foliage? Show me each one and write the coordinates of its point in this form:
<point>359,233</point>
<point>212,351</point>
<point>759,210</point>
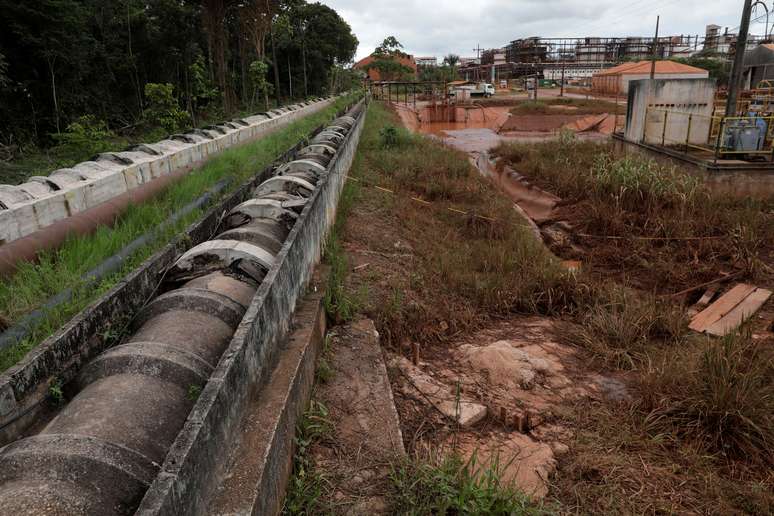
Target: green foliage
<point>633,182</point>
<point>5,82</point>
<point>194,391</point>
<point>451,60</point>
<point>306,486</point>
<point>389,47</point>
<point>56,392</point>
<point>202,89</point>
<point>718,69</point>
<point>163,109</point>
<point>389,137</point>
<point>258,79</point>
<point>64,58</point>
<point>83,138</point>
<point>457,487</point>
<point>339,304</point>
<point>387,61</point>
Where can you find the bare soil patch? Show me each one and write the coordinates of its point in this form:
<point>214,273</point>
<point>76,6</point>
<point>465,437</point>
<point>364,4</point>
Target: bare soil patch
<point>537,123</point>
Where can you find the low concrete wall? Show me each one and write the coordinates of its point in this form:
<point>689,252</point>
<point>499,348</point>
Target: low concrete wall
<point>39,203</point>
<point>24,387</point>
<point>741,180</point>
<point>684,98</point>
<point>189,473</point>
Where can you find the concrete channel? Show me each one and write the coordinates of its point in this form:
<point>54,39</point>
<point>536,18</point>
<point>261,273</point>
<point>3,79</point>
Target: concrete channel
<point>150,418</point>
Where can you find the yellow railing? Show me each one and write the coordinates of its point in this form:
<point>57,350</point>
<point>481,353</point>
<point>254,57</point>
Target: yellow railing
<point>701,132</point>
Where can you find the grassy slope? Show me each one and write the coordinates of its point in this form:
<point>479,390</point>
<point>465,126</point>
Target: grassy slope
<point>425,265</point>
<point>56,270</point>
<point>434,272</point>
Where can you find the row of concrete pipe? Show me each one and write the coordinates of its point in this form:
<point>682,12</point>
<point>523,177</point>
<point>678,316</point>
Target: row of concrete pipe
<point>43,212</point>
<point>104,448</point>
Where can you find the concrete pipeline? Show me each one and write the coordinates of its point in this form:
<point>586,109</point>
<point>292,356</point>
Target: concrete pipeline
<point>41,213</point>
<point>107,446</point>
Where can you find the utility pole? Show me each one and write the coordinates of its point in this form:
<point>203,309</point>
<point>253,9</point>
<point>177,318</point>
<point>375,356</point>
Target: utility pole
<point>655,51</point>
<point>561,91</point>
<point>478,50</point>
<point>736,73</point>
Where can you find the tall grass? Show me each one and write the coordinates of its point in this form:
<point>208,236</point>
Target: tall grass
<point>620,327</point>
<point>467,267</point>
<point>64,268</point>
<point>634,199</point>
<point>718,395</point>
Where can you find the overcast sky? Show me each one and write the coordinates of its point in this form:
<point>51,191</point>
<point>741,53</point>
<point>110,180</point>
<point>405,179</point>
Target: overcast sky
<point>438,27</point>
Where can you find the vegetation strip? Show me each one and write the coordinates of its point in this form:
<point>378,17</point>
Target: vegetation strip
<point>29,322</point>
<point>64,269</point>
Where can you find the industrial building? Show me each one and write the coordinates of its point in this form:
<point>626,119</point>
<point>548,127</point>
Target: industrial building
<point>615,81</point>
<point>758,65</point>
<point>426,61</point>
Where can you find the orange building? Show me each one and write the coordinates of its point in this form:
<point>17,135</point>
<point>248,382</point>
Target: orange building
<point>615,81</point>
<point>406,60</point>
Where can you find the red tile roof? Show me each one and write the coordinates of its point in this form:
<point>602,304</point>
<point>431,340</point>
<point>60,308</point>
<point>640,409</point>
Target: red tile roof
<point>643,67</point>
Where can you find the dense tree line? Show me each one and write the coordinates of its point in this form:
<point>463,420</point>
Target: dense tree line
<point>124,62</point>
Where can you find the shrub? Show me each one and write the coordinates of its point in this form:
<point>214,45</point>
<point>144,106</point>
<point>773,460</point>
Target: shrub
<point>163,109</point>
<point>389,137</point>
<point>83,138</point>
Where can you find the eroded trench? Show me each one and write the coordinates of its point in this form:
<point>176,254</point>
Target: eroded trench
<point>103,450</point>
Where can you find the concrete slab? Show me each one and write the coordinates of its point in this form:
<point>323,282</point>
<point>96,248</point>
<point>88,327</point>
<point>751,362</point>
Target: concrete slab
<point>366,440</point>
<point>260,463</point>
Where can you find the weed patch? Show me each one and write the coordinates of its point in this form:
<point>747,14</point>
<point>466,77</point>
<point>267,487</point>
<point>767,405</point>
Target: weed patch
<point>453,486</point>
<point>307,486</point>
<point>657,225</point>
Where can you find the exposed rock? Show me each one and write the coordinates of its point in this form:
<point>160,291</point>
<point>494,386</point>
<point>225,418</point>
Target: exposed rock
<point>466,412</point>
<point>507,365</point>
<point>521,461</point>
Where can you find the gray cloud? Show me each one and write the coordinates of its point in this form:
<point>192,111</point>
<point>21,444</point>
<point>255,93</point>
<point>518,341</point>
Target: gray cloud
<point>437,27</point>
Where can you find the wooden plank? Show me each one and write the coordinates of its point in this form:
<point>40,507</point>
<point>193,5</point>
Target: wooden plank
<point>707,297</point>
<point>740,313</point>
<point>721,307</point>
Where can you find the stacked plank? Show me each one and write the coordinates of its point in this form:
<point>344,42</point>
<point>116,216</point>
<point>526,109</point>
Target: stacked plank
<point>731,310</point>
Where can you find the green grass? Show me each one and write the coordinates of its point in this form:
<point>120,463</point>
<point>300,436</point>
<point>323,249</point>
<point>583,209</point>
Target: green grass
<point>717,394</point>
<point>34,283</point>
<point>456,487</point>
<point>306,487</point>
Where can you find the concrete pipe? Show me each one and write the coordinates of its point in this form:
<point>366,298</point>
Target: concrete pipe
<point>102,451</point>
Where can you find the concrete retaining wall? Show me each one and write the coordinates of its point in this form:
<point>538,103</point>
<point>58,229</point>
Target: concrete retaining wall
<point>190,471</point>
<point>648,101</point>
<point>42,201</point>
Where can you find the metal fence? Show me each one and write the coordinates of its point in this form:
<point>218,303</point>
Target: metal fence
<point>722,136</point>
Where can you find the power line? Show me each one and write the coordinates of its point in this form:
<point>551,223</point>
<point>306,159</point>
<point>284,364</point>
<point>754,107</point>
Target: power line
<point>642,9</point>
